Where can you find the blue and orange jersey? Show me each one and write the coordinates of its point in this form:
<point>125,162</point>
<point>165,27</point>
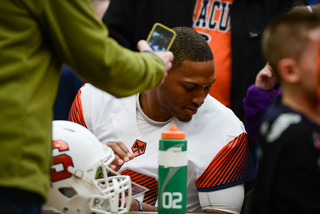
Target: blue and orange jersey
<point>212,20</point>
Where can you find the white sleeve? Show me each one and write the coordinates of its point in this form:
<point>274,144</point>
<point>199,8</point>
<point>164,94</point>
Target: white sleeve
<point>228,200</point>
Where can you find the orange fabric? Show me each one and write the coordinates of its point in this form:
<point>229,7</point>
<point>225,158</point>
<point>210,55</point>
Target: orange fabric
<point>212,19</point>
<point>76,112</point>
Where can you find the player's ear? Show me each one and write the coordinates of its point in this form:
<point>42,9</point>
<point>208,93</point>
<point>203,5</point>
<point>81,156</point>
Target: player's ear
<point>288,70</point>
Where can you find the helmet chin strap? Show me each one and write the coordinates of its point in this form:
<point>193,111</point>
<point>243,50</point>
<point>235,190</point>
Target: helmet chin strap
<point>79,174</point>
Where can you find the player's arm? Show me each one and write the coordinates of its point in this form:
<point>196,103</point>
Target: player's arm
<point>221,185</point>
<point>228,200</point>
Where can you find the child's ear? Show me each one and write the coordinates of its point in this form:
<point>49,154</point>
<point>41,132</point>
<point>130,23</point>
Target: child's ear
<point>288,70</point>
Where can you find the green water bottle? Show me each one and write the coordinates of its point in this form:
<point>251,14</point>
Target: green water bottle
<point>172,172</point>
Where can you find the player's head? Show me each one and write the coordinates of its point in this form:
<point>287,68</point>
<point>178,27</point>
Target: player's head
<point>190,78</point>
<point>79,180</point>
<point>189,45</point>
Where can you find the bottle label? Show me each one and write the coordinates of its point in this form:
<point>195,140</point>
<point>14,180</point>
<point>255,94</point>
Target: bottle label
<point>172,159</point>
<point>172,189</point>
<point>172,200</point>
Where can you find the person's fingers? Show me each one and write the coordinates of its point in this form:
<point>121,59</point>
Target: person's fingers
<point>117,149</point>
<point>128,155</point>
<point>123,147</point>
<point>116,163</point>
<point>121,151</point>
<point>166,58</point>
<point>144,46</point>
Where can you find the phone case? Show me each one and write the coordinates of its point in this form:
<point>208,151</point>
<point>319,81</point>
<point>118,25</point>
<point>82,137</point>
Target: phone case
<point>161,35</point>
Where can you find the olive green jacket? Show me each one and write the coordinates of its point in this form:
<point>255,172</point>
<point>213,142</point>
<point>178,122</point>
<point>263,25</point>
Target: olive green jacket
<point>36,37</point>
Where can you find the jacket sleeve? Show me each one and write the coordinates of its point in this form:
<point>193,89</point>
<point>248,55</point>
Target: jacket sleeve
<point>255,104</point>
<point>81,40</point>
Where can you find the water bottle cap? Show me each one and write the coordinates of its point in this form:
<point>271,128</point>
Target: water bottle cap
<point>173,133</point>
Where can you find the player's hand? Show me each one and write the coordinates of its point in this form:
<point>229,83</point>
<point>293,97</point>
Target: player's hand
<point>145,207</point>
<point>265,78</point>
<point>122,154</point>
<point>165,56</point>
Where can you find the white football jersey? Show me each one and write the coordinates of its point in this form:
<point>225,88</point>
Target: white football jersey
<point>218,153</point>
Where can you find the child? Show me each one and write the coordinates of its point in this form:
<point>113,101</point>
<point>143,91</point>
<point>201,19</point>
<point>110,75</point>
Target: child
<point>288,178</point>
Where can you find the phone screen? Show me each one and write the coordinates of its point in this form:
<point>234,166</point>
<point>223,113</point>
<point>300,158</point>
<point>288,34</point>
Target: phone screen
<point>161,37</point>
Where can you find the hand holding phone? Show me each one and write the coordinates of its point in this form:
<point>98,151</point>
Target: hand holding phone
<point>166,57</point>
<point>160,49</point>
<point>161,37</point>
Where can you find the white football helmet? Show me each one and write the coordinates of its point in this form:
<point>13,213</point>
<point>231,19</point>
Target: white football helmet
<point>78,159</point>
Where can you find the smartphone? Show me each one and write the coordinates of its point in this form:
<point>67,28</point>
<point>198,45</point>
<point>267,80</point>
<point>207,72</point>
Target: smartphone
<point>161,37</point>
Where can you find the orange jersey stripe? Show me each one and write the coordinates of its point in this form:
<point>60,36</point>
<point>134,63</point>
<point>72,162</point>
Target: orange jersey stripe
<point>76,112</point>
<point>150,197</point>
<point>221,168</point>
<point>226,170</point>
<point>230,164</point>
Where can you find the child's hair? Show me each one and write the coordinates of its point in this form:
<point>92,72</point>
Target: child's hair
<point>288,34</point>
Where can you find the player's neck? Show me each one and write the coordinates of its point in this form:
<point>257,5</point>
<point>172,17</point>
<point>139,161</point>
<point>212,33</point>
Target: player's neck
<point>152,108</point>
